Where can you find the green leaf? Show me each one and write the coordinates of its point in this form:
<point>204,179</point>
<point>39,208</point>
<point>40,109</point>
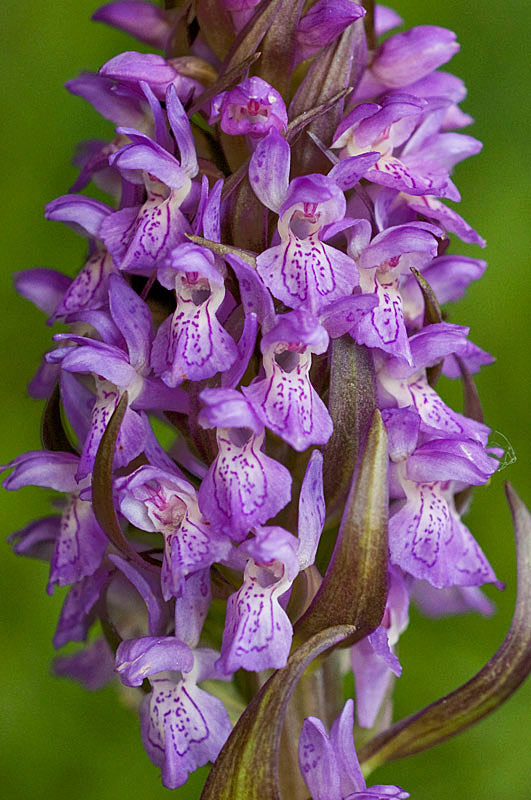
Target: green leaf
<point>487,690</point>
<point>247,767</point>
<point>354,589</point>
<point>351,403</point>
<point>102,496</point>
<point>53,434</point>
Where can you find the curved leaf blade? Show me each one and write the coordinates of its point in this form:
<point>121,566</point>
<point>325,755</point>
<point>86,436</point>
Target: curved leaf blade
<point>351,403</point>
<point>354,589</point>
<point>487,690</point>
<point>102,496</point>
<point>53,434</point>
<point>248,764</point>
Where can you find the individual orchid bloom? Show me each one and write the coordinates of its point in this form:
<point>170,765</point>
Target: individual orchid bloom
<point>302,271</point>
<point>118,364</point>
<point>407,386</point>
<point>384,127</point>
<point>183,727</point>
<point>89,288</point>
<point>79,543</point>
<point>192,344</point>
<point>243,486</point>
<point>407,57</point>
<point>384,264</point>
<point>161,502</point>
<point>323,23</point>
<point>330,766</point>
<point>141,237</point>
<point>373,659</point>
<point>258,631</point>
<point>284,399</point>
<point>426,536</point>
<point>252,108</point>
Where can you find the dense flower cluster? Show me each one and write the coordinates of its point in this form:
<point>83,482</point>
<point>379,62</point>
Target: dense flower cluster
<point>252,232</point>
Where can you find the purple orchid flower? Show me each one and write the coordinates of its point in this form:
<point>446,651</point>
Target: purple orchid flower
<point>243,487</point>
<point>258,632</point>
<point>141,237</point>
<point>408,387</point>
<point>422,168</point>
<point>183,726</point>
<point>89,289</point>
<point>145,21</point>
<point>384,265</point>
<point>405,58</point>
<point>79,542</point>
<point>120,362</point>
<point>330,766</point>
<point>253,107</point>
<point>192,344</point>
<point>426,536</point>
<point>285,400</point>
<point>158,501</point>
<point>302,271</point>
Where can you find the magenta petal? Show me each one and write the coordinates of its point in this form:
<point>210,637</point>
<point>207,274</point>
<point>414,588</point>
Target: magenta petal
<point>317,761</point>
<point>307,272</point>
<point>243,486</point>
<point>131,67</point>
<point>45,288</point>
<point>92,667</point>
<point>311,510</point>
<point>191,548</point>
<point>373,673</point>
<point>288,404</point>
<point>427,540</point>
<point>80,545</point>
<point>257,631</point>
<point>269,170</point>
<point>145,21</point>
<point>183,728</point>
<point>36,540</point>
<point>133,318</point>
<point>192,607</point>
<point>182,131</point>
<point>77,612</point>
<point>343,744</point>
<point>147,585</point>
<point>136,659</point>
<point>81,213</point>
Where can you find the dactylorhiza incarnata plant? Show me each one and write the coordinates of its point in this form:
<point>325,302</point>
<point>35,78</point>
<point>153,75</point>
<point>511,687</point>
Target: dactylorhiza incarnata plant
<point>262,296</point>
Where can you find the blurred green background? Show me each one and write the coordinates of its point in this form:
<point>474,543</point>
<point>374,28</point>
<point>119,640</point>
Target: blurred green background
<point>57,739</point>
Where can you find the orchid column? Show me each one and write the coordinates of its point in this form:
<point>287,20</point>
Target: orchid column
<point>266,279</point>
